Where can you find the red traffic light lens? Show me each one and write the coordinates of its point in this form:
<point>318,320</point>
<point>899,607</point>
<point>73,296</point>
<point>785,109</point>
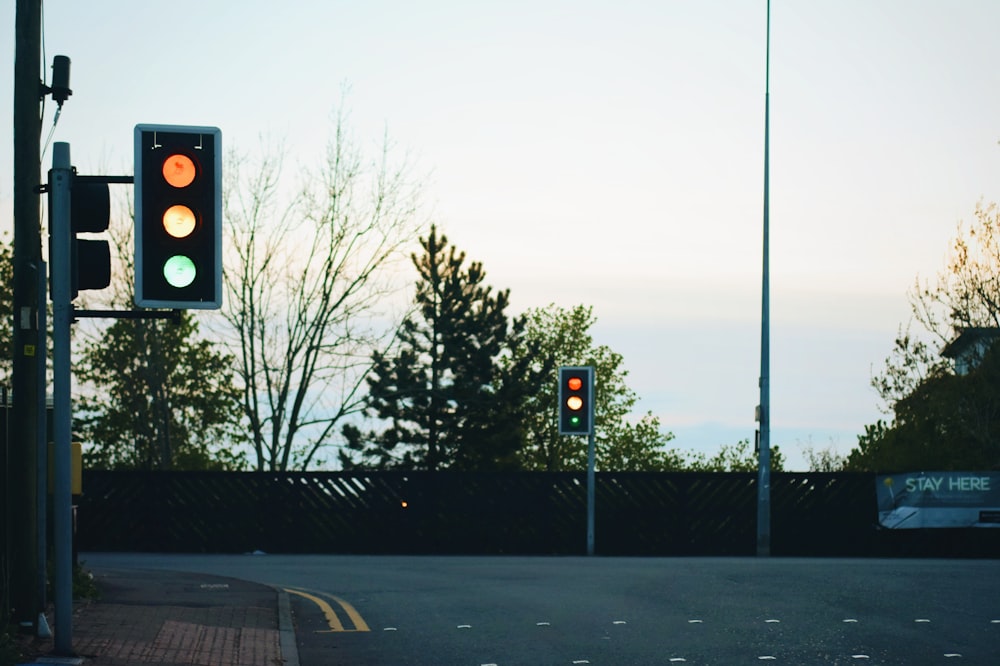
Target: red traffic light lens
<point>179,170</point>
<point>574,383</point>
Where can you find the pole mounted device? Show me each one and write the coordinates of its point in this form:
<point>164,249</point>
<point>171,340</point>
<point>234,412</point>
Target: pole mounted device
<point>178,217</point>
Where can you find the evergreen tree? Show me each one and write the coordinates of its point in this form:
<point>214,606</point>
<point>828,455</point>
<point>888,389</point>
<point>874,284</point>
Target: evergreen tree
<point>447,401</point>
<point>163,399</point>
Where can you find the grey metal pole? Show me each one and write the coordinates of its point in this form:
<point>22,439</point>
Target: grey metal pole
<point>62,508</point>
<point>591,455</point>
<point>764,458</point>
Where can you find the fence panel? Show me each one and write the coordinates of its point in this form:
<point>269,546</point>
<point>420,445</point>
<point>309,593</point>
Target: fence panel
<point>637,513</point>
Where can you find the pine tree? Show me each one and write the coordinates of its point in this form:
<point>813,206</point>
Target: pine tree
<point>447,400</point>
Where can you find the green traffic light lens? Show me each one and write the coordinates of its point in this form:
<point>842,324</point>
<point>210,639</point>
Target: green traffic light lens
<point>575,420</point>
<point>179,271</point>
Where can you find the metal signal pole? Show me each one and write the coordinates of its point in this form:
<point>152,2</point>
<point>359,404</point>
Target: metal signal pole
<point>62,509</point>
<point>764,410</point>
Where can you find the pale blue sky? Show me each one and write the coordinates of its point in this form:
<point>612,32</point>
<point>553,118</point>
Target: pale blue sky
<point>623,138</point>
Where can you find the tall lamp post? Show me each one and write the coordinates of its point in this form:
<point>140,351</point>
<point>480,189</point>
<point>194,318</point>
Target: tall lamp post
<point>764,409</point>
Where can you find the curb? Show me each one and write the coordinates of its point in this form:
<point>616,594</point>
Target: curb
<point>286,630</point>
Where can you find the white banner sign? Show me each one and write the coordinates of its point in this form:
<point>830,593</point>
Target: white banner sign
<point>938,499</point>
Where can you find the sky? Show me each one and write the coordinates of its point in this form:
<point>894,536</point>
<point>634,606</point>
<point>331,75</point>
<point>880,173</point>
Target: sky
<point>609,153</point>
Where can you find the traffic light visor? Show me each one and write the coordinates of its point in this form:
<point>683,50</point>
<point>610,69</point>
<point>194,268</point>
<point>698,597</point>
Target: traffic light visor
<point>574,383</point>
<point>179,170</point>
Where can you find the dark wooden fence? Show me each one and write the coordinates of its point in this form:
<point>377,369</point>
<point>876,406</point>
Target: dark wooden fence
<point>813,514</point>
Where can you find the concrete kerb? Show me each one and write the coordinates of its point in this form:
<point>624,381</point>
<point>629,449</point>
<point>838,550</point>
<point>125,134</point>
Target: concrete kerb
<point>286,630</point>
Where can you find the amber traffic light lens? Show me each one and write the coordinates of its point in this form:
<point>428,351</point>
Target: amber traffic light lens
<point>574,383</point>
<point>179,221</point>
<point>574,402</point>
<point>179,170</point>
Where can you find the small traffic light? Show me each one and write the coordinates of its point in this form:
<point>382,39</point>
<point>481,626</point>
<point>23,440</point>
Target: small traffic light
<point>178,217</point>
<point>89,212</point>
<point>576,400</point>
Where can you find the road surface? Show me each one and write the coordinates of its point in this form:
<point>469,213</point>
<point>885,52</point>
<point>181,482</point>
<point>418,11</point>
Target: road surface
<point>475,611</point>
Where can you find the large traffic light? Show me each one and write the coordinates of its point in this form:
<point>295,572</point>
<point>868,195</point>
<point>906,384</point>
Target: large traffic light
<point>576,400</point>
<point>178,216</point>
<point>89,212</point>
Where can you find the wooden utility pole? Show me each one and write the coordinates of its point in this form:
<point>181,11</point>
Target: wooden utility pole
<point>23,443</point>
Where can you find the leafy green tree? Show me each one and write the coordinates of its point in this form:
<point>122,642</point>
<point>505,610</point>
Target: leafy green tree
<point>825,459</point>
<point>966,294</point>
<point>948,422</point>
<point>153,394</point>
<point>621,443</point>
<point>941,420</point>
<point>739,457</point>
<point>163,400</point>
<point>448,402</point>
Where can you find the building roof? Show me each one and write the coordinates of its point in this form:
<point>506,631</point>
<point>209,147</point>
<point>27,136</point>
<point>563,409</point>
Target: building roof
<point>969,338</point>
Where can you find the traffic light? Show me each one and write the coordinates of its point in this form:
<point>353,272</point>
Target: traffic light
<point>178,217</point>
<point>576,400</point>
<point>89,212</point>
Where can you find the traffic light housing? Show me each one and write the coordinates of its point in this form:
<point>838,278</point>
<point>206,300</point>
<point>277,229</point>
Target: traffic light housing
<point>576,400</point>
<point>178,217</point>
<point>90,213</point>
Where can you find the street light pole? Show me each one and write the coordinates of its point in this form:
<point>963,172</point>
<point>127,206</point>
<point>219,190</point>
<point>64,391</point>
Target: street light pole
<point>764,410</point>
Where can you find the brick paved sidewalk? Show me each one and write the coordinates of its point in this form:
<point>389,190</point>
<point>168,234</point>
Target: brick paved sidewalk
<point>178,619</point>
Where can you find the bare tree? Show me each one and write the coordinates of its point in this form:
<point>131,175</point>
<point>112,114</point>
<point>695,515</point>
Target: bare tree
<point>309,288</point>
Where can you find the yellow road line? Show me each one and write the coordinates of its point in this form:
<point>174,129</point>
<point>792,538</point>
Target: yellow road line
<point>331,617</point>
<point>359,623</point>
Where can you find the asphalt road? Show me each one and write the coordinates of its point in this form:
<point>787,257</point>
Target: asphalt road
<point>355,610</point>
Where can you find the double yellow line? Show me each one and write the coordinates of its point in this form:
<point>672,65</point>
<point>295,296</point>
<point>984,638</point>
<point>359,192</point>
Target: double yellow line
<point>331,616</point>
